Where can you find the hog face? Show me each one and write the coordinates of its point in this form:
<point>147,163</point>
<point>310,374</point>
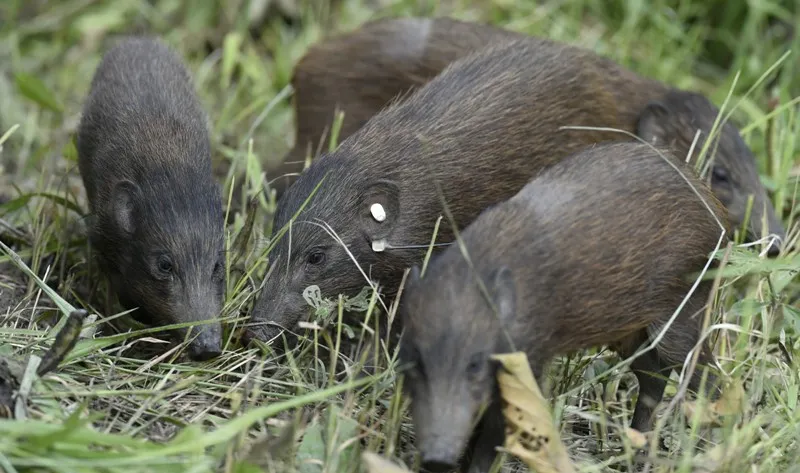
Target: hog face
<point>328,228</point>
<point>733,174</point>
<point>450,332</point>
<point>165,256</point>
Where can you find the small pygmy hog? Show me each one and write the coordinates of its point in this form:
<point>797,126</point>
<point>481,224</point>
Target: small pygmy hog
<point>589,253</point>
<point>481,129</point>
<point>156,212</point>
<point>363,71</point>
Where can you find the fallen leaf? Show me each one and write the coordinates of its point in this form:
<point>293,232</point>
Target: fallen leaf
<point>731,402</point>
<point>65,341</point>
<point>637,439</point>
<point>376,464</point>
<point>530,431</point>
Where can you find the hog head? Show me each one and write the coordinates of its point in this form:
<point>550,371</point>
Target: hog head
<point>329,244</point>
<point>165,256</point>
<point>450,332</point>
<point>675,119</point>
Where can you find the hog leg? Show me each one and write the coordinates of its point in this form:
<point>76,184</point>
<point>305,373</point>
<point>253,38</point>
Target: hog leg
<point>675,347</point>
<point>652,376</point>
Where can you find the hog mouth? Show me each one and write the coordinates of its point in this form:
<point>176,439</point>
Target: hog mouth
<point>773,243</point>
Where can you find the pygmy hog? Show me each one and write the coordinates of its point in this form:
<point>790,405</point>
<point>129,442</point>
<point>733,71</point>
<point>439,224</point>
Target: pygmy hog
<point>481,129</point>
<point>383,60</point>
<point>589,253</point>
<point>363,71</point>
<point>145,160</point>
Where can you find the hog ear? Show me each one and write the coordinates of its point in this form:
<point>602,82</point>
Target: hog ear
<point>123,199</point>
<point>650,126</point>
<point>504,292</point>
<point>379,209</point>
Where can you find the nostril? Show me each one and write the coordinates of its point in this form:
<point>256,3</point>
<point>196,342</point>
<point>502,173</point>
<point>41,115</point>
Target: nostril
<point>204,350</point>
<point>204,354</point>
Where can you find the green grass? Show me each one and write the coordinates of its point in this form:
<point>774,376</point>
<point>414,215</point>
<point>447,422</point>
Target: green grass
<point>120,403</point>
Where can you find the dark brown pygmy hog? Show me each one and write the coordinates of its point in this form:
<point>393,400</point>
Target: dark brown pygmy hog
<point>363,71</point>
<point>589,253</point>
<point>481,129</point>
<point>156,212</point>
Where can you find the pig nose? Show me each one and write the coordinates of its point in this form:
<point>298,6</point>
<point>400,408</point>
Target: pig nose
<point>206,345</point>
<point>774,249</point>
<point>439,461</point>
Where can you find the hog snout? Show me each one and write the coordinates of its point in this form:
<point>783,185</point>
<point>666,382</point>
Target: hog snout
<point>207,344</point>
<point>440,456</point>
<point>774,226</point>
<point>278,310</point>
<point>774,248</point>
<point>443,424</point>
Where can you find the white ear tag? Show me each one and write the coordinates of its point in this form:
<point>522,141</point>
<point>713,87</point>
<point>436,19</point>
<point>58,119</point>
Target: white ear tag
<point>377,212</point>
<point>378,245</point>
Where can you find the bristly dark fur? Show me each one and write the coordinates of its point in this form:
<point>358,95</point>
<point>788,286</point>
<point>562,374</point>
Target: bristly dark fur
<point>145,160</point>
<point>481,129</point>
<point>385,61</point>
<point>386,58</point>
<point>598,249</point>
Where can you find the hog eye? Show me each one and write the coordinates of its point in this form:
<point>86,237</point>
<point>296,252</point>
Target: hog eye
<point>217,267</point>
<point>475,364</point>
<point>164,265</point>
<point>719,174</point>
<point>315,257</point>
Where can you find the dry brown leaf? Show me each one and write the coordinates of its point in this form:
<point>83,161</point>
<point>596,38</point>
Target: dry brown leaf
<point>377,464</point>
<point>730,403</point>
<point>530,432</point>
<point>637,439</point>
